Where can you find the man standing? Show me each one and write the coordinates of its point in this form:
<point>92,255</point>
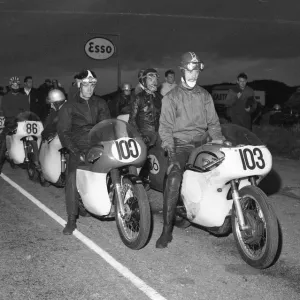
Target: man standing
<point>75,120</point>
<point>145,109</point>
<point>139,86</point>
<point>32,96</point>
<point>187,117</point>
<point>13,103</point>
<point>169,84</point>
<point>241,102</point>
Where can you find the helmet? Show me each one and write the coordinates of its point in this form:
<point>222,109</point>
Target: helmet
<point>126,87</point>
<point>190,61</point>
<point>146,74</point>
<point>277,107</point>
<point>86,77</point>
<point>14,81</point>
<point>55,95</point>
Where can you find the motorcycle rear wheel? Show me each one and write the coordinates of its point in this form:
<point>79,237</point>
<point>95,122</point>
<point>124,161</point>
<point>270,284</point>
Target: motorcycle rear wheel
<point>134,228</point>
<point>259,245</point>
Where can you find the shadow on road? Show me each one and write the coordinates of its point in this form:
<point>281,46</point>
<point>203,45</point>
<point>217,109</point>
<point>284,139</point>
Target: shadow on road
<point>271,184</point>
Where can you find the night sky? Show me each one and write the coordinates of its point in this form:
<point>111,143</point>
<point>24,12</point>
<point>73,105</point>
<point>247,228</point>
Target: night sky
<point>46,39</point>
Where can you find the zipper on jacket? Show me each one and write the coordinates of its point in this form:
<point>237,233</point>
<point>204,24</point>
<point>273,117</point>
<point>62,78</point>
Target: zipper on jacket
<point>90,111</point>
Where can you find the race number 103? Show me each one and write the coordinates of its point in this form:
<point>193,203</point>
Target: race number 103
<point>252,158</point>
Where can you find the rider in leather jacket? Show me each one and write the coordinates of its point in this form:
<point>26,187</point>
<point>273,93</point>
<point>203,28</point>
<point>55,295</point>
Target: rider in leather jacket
<point>13,103</point>
<point>187,116</point>
<point>146,107</point>
<point>75,120</point>
<point>56,98</point>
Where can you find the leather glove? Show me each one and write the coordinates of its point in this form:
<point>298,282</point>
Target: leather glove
<point>172,159</point>
<point>146,139</point>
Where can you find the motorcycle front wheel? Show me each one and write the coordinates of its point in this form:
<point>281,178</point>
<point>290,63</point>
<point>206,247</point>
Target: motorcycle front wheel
<point>259,245</point>
<point>134,227</point>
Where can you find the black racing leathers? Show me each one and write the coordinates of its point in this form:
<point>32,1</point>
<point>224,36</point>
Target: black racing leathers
<point>145,113</point>
<point>75,120</point>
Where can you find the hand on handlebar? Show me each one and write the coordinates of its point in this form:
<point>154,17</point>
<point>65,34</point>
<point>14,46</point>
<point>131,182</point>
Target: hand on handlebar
<point>222,142</point>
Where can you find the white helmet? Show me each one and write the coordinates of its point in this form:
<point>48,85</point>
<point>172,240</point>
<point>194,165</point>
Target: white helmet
<point>55,96</point>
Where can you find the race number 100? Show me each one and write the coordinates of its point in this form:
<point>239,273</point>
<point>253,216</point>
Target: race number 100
<point>127,149</point>
<point>252,159</point>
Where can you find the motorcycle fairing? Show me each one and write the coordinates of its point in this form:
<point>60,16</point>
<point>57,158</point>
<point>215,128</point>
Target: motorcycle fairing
<point>15,147</point>
<point>206,202</point>
<point>50,159</point>
<point>92,188</point>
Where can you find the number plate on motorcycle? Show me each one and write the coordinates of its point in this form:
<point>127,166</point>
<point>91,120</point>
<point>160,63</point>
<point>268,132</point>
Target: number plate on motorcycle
<point>252,158</point>
<point>32,128</point>
<point>126,150</point>
<point>2,120</point>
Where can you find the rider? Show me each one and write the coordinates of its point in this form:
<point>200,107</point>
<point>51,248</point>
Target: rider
<point>56,99</point>
<point>75,120</point>
<point>13,103</point>
<point>188,116</point>
<point>121,102</point>
<point>146,107</point>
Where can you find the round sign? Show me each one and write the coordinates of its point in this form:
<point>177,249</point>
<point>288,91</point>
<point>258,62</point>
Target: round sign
<point>126,150</point>
<point>154,167</point>
<point>99,48</point>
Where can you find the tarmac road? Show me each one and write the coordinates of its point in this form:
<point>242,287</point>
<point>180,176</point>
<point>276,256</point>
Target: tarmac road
<point>39,262</point>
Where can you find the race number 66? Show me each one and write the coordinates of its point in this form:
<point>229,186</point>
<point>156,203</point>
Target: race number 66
<point>252,158</point>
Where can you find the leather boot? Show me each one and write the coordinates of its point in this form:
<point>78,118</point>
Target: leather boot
<point>71,225</point>
<point>2,154</point>
<point>171,194</point>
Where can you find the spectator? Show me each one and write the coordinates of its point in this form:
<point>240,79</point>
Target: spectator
<point>44,90</point>
<point>169,84</point>
<point>241,102</point>
<point>33,97</point>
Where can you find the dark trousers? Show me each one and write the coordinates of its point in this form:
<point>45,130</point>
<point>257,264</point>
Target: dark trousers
<point>3,134</point>
<point>72,196</point>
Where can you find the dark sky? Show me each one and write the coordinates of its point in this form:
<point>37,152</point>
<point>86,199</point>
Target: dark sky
<point>46,38</point>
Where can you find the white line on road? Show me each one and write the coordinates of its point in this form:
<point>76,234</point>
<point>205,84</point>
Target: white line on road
<point>136,281</point>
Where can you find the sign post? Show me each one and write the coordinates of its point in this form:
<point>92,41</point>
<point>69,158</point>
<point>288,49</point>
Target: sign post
<point>102,48</point>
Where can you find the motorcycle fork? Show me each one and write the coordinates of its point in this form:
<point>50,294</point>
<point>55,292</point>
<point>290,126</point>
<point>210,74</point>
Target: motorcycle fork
<point>238,208</point>
<point>63,162</point>
<point>26,150</point>
<point>116,181</point>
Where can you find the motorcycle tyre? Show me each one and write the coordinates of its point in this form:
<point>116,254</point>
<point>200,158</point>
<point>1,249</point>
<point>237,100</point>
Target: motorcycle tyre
<point>270,256</point>
<point>43,181</point>
<point>32,171</point>
<point>145,217</point>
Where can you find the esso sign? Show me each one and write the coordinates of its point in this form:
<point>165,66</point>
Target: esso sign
<point>99,48</point>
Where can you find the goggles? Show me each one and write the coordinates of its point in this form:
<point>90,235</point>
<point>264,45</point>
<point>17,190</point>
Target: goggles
<point>88,81</point>
<point>152,75</point>
<point>195,66</point>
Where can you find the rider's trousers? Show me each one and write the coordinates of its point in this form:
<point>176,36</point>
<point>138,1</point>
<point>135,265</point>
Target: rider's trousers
<point>72,196</point>
<point>3,134</point>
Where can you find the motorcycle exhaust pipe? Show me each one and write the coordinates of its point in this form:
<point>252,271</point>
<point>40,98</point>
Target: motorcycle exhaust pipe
<point>237,204</point>
<point>63,162</point>
<point>25,145</point>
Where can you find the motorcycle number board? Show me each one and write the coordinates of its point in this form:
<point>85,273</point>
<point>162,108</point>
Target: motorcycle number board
<point>32,128</point>
<point>253,158</point>
<point>126,150</point>
<point>2,120</point>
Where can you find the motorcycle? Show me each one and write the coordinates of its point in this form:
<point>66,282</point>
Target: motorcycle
<point>220,192</point>
<point>53,161</point>
<point>23,143</point>
<point>108,183</point>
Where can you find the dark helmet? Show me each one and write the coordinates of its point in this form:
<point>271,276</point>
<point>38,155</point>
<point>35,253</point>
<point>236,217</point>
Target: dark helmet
<point>151,72</point>
<point>190,61</point>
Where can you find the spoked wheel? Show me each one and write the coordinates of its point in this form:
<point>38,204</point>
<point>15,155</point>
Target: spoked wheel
<point>134,227</point>
<point>259,244</point>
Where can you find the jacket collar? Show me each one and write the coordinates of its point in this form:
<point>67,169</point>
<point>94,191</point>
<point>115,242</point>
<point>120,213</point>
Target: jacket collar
<point>196,90</point>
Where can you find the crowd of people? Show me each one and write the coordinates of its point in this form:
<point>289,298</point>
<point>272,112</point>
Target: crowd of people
<point>175,116</point>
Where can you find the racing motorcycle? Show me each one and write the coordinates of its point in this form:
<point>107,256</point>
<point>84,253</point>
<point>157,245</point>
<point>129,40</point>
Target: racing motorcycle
<point>53,161</point>
<point>23,143</point>
<point>220,192</point>
<point>108,183</point>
